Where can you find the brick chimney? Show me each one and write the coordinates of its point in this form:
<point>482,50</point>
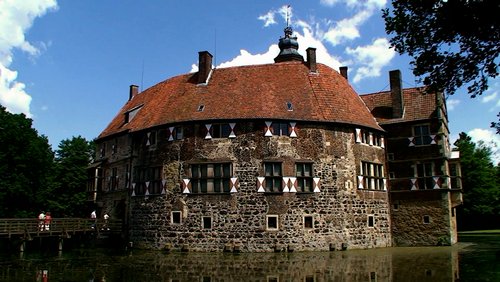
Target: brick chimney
<point>134,90</point>
<point>311,59</point>
<point>343,72</point>
<point>204,66</point>
<point>396,94</point>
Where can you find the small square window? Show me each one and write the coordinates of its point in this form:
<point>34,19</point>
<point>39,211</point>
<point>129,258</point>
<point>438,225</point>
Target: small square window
<point>371,221</point>
<point>395,206</point>
<point>272,222</point>
<point>175,217</point>
<point>308,221</point>
<point>427,219</point>
<point>207,222</point>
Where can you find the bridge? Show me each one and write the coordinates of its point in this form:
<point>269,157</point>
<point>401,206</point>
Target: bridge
<point>26,229</point>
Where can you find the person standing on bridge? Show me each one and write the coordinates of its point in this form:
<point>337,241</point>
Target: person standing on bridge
<point>106,219</point>
<point>93,216</point>
<point>41,221</point>
<point>48,219</point>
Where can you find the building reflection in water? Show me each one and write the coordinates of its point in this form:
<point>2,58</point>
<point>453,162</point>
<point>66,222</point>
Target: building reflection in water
<point>392,264</point>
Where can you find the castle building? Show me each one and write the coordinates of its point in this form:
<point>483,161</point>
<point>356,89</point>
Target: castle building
<point>277,157</point>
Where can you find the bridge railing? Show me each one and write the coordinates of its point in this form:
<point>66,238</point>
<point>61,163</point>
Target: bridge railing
<point>33,227</point>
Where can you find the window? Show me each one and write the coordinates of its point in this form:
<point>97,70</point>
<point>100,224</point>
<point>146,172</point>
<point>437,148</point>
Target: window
<point>274,176</point>
<point>201,108</point>
<point>155,183</point>
<point>103,150</point>
<point>211,178</point>
<point>392,175</point>
<point>390,156</point>
<point>175,217</point>
<point>422,135</point>
<point>114,148</point>
<point>206,222</point>
<point>271,222</point>
<point>371,221</point>
<point>373,176</point>
<point>280,129</point>
<point>113,183</point>
<point>178,133</point>
<point>427,219</point>
<point>308,221</point>
<point>153,175</point>
<point>151,138</point>
<point>289,106</point>
<point>424,175</point>
<point>304,175</point>
<point>221,130</point>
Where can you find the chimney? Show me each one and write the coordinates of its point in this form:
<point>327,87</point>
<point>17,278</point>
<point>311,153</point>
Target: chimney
<point>204,66</point>
<point>311,59</point>
<point>396,94</point>
<point>343,72</point>
<point>134,90</point>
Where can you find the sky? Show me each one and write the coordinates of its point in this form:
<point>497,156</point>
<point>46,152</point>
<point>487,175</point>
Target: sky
<point>68,64</point>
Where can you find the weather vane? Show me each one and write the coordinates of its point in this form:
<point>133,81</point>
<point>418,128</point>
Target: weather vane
<point>287,15</point>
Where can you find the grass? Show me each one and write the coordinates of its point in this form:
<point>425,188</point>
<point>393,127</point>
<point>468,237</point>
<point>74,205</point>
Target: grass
<point>476,232</point>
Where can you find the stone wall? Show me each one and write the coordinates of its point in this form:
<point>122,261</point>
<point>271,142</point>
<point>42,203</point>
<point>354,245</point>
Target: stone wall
<point>339,211</point>
<point>422,218</point>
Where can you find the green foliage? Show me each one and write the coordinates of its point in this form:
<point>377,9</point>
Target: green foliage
<point>25,166</point>
<point>68,196</point>
<point>480,182</point>
<point>32,178</point>
<point>452,42</point>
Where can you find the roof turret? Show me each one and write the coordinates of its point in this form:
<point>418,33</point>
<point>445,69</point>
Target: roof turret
<point>288,48</point>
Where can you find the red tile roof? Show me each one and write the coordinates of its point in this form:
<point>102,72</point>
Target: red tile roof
<point>418,104</point>
<point>248,92</point>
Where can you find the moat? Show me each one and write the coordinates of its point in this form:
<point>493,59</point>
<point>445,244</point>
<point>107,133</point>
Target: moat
<point>475,258</point>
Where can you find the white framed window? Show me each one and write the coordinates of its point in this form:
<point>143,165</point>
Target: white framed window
<point>273,173</point>
<point>281,129</point>
<point>426,219</point>
<point>370,221</point>
<point>422,135</point>
<point>272,222</point>
<point>372,176</point>
<point>211,178</point>
<point>308,222</point>
<point>206,222</point>
<point>176,217</point>
<point>304,174</point>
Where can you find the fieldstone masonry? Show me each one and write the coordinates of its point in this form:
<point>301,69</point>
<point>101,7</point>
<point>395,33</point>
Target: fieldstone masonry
<point>238,220</point>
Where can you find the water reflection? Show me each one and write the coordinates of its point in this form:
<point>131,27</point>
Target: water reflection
<point>392,264</point>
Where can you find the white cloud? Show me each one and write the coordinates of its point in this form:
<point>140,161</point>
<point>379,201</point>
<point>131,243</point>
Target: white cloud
<point>268,18</point>
<point>16,17</point>
<point>347,29</point>
<point>372,58</point>
<point>490,139</point>
<point>452,103</point>
<point>489,98</point>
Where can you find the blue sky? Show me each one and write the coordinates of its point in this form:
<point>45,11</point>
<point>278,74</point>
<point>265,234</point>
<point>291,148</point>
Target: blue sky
<point>68,64</point>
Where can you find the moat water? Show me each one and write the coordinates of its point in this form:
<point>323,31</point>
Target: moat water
<point>475,258</point>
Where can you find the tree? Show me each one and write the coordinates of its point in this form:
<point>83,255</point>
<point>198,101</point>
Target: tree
<point>452,42</point>
<point>68,198</point>
<point>481,185</point>
<point>25,166</point>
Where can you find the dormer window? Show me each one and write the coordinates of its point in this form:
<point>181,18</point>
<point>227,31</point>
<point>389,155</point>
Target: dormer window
<point>289,106</point>
<point>201,108</point>
<point>129,115</point>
